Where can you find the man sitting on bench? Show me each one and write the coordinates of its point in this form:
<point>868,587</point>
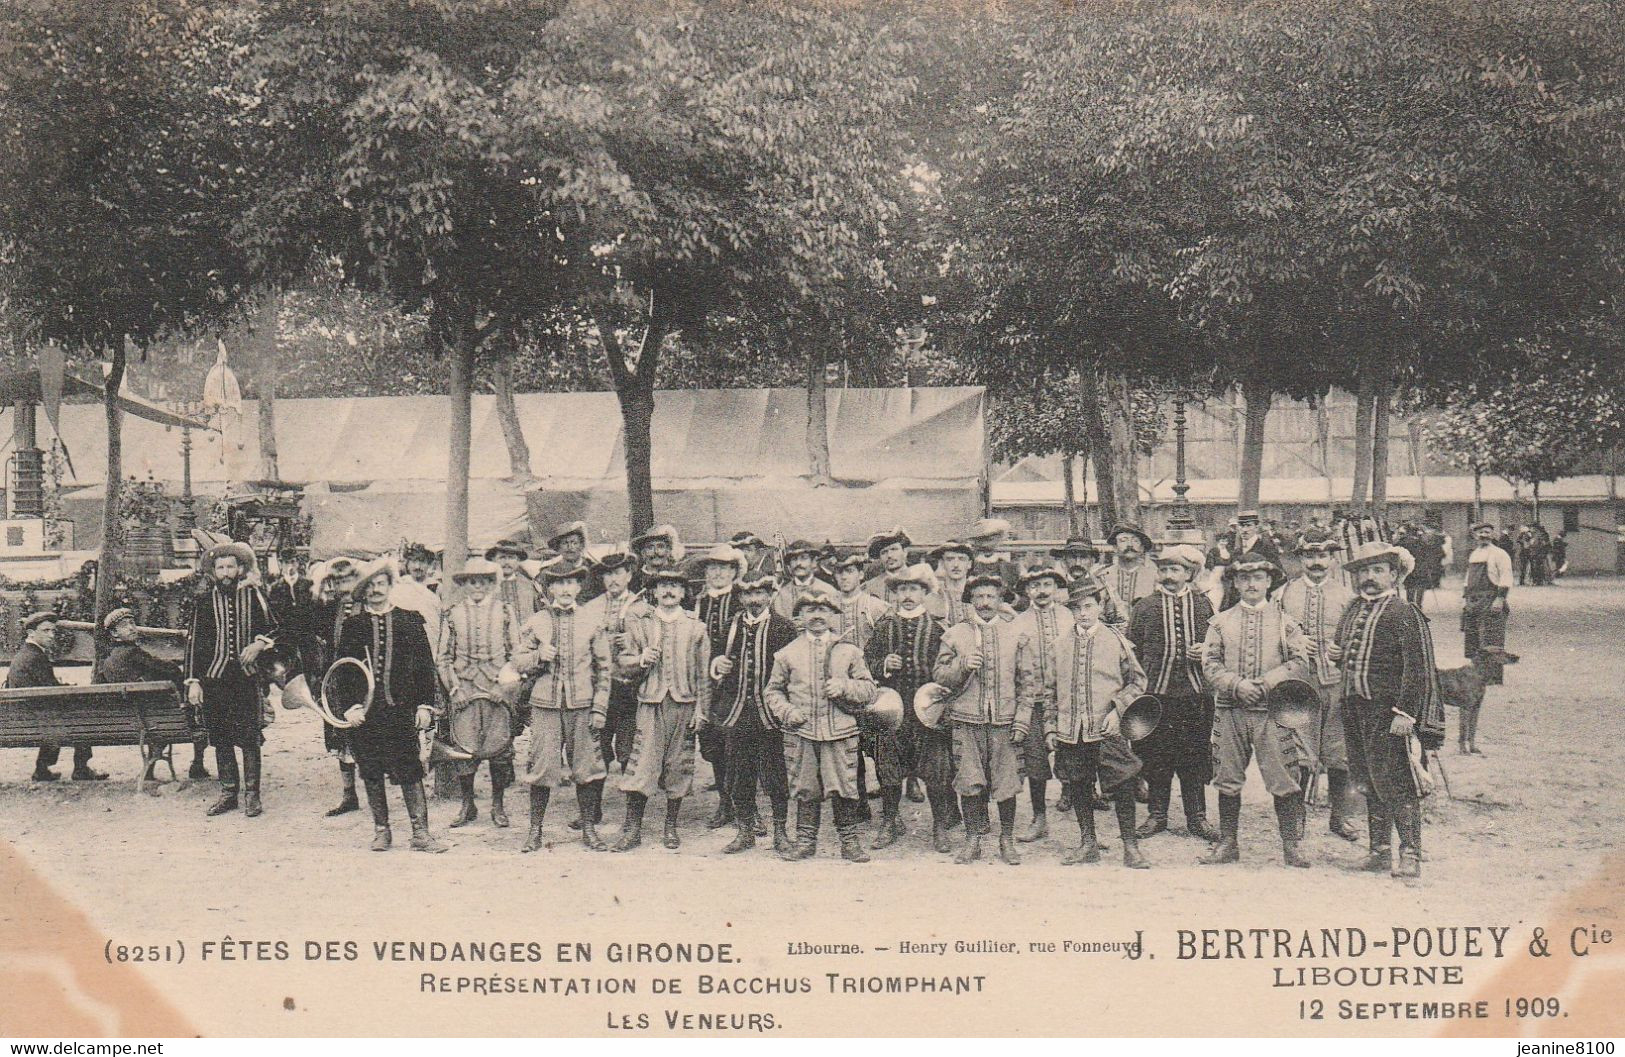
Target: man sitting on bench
<point>31,666</point>
<point>128,662</point>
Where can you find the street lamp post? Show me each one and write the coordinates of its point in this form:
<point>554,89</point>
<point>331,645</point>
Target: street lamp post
<point>1181,525</point>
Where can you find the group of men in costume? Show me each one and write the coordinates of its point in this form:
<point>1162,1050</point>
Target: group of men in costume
<point>1006,676</point>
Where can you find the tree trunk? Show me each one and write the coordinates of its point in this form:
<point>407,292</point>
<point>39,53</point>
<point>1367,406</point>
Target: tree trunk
<point>1100,446</point>
<point>1363,414</point>
<point>513,433</point>
<point>1258,398</point>
<point>265,332</point>
<point>1119,412</point>
<point>637,417</point>
<point>461,357</point>
<point>1379,449</point>
<point>1537,502</point>
<point>1478,495</point>
<point>112,555</point>
<point>817,416</point>
<point>1069,501</point>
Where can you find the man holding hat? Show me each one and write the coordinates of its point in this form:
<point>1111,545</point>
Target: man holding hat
<point>755,751</point>
<point>1391,705</point>
<point>31,666</point>
<point>1089,679</point>
<point>800,564</point>
<point>609,613</point>
<point>716,607</point>
<point>477,637</point>
<point>817,689</point>
<point>1167,630</point>
<point>1129,574</point>
<point>231,626</point>
<point>669,653</point>
<point>977,664</point>
<point>890,550</point>
<point>569,702</point>
<point>514,588</point>
<point>1044,622</point>
<point>1316,601</point>
<point>899,654</point>
<point>1484,602</point>
<point>396,644</point>
<point>1249,649</point>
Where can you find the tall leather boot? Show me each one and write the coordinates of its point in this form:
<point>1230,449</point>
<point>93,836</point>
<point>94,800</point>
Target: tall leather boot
<point>1038,794</point>
<point>809,814</point>
<point>1228,847</point>
<point>378,801</point>
<point>891,827</point>
<point>1305,776</point>
<point>1125,828</point>
<point>976,825</point>
<point>1088,849</point>
<point>198,772</point>
<point>468,812</point>
<point>251,782</point>
<point>1161,792</point>
<point>499,810</point>
<point>744,836</point>
<point>724,813</point>
<point>347,802</point>
<point>1337,796</point>
<point>539,795</point>
<point>1408,820</point>
<point>781,837</point>
<point>1380,831</point>
<point>589,802</point>
<point>1289,819</point>
<point>846,827</point>
<point>1007,833</point>
<point>669,838</point>
<point>940,801</point>
<point>1193,795</point>
<point>417,806</point>
<point>632,831</point>
<point>225,761</point>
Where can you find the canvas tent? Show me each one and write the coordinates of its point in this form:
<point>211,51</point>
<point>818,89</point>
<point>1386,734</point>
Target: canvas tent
<point>374,468</point>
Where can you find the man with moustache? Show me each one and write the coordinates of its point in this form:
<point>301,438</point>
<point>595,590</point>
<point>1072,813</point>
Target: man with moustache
<point>1092,677</point>
<point>514,588</point>
<point>477,637</point>
<point>900,653</point>
<point>1167,631</point>
<point>977,665</point>
<point>991,558</point>
<point>1484,610</point>
<point>569,545</point>
<point>800,564</point>
<point>1249,649</point>
<point>759,560</point>
<point>716,607</point>
<point>1250,543</point>
<point>1130,575</point>
<point>1043,622</point>
<point>818,687</point>
<point>739,672</point>
<point>656,549</point>
<point>669,652</point>
<point>859,608</point>
<point>335,602</point>
<point>952,561</point>
<point>890,551</point>
<point>1390,697</point>
<point>1316,600</point>
<point>609,614</point>
<point>569,703</point>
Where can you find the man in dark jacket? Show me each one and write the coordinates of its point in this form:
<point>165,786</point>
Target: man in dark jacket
<point>128,662</point>
<point>31,666</point>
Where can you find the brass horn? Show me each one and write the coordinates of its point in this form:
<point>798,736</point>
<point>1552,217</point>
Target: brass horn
<point>346,693</point>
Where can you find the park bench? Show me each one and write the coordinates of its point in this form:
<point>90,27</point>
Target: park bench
<point>148,715</point>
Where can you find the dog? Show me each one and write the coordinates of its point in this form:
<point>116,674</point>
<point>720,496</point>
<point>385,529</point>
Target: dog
<point>1463,687</point>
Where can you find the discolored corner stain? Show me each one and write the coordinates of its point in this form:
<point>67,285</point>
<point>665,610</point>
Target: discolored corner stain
<point>1587,988</point>
<point>56,976</point>
<point>287,1003</point>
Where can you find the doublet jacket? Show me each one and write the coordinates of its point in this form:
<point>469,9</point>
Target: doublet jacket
<point>987,695</point>
<point>802,672</point>
<point>224,622</point>
<point>751,647</point>
<point>402,660</point>
<point>1318,609</point>
<point>1093,671</point>
<point>1043,627</point>
<point>1129,585</point>
<point>476,640</point>
<point>1246,642</point>
<point>914,639</point>
<point>575,673</point>
<point>784,599</point>
<point>1388,658</point>
<point>859,612</point>
<point>1162,627</point>
<point>683,671</point>
<point>610,617</point>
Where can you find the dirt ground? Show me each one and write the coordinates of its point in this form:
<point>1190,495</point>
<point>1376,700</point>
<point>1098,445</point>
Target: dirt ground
<point>1536,817</point>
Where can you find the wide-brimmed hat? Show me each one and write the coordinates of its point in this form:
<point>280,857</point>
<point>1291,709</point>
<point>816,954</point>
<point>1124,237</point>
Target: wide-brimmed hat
<point>557,573</point>
<point>369,572</point>
<point>1293,703</point>
<point>726,554</point>
<point>762,582</point>
<point>930,703</point>
<point>1377,551</point>
<point>507,546</point>
<point>1256,563</point>
<point>665,576</point>
<point>615,560</point>
<point>574,528</point>
<point>230,548</point>
<point>747,539</point>
<point>1318,541</point>
<point>798,547</point>
<point>1039,572</point>
<point>881,540</point>
<point>1086,587</point>
<point>475,568</point>
<point>659,532</point>
<point>941,550</point>
<point>851,561</point>
<point>983,580</point>
<point>1075,545</point>
<point>1182,554</point>
<point>121,613</point>
<point>987,529</point>
<point>34,620</point>
<point>919,573</point>
<point>1133,530</point>
<point>1475,526</point>
<point>417,552</point>
<point>808,599</point>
